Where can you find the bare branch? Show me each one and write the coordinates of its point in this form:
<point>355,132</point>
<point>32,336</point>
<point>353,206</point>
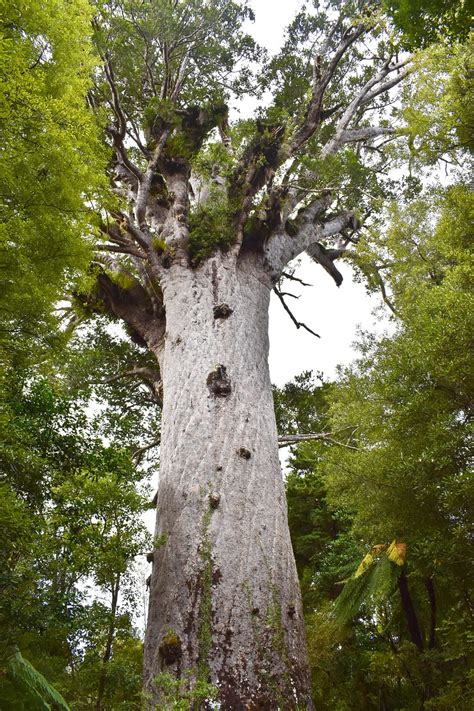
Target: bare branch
<point>147,178</point>
<point>298,324</point>
<point>180,79</point>
<point>325,437</point>
<point>387,85</point>
<point>310,227</point>
<point>149,376</point>
<point>365,134</point>
<point>292,277</point>
<point>368,91</point>
<point>120,249</point>
<point>118,135</point>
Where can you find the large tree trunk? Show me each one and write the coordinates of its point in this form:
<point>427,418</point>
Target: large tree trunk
<point>224,602</point>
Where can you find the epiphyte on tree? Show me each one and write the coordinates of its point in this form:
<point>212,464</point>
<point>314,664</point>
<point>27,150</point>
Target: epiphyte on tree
<point>170,648</point>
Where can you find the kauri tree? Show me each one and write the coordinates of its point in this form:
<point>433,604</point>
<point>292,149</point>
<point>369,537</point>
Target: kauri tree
<point>204,215</point>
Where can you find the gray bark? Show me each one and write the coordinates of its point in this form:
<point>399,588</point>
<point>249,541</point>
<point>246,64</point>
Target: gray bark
<point>225,604</point>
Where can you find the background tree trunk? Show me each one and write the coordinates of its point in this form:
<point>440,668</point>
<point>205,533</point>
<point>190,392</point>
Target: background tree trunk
<point>224,602</point>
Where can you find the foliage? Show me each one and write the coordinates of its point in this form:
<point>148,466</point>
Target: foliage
<point>406,407</point>
<point>31,691</point>
<point>400,632</point>
<point>51,163</point>
<point>72,511</point>
<point>134,39</point>
<point>176,696</point>
<point>425,21</point>
<point>210,227</point>
<point>437,105</point>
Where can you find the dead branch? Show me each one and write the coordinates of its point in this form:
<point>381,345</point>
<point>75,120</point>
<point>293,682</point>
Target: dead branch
<point>298,324</point>
<point>325,258</point>
<point>292,277</point>
<point>325,437</point>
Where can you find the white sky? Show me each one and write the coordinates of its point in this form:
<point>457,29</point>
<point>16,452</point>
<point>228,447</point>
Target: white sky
<point>334,313</point>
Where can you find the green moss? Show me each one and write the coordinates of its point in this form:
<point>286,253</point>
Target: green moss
<point>210,228</point>
<point>205,603</point>
<point>171,639</point>
<point>212,159</point>
<point>180,146</point>
<point>270,639</point>
<point>159,244</point>
<point>124,281</point>
<point>160,540</point>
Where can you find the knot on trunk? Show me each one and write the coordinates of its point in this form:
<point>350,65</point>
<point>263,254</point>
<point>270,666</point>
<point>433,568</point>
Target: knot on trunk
<point>218,382</point>
<point>166,260</point>
<point>214,500</point>
<point>222,311</point>
<point>170,649</point>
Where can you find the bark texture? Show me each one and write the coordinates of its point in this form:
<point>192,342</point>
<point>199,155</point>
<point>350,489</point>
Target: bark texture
<point>224,598</point>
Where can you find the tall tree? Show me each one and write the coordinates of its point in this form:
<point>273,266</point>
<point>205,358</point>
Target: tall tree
<point>206,216</point>
<point>72,516</point>
<point>50,165</point>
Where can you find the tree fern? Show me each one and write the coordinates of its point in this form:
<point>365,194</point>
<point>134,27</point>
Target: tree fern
<point>373,581</point>
<point>31,690</point>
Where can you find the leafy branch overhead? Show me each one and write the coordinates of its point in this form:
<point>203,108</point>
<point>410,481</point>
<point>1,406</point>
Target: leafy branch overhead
<point>187,178</point>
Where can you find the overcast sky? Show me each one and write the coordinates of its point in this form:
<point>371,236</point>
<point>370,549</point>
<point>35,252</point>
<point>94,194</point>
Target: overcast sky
<point>334,313</point>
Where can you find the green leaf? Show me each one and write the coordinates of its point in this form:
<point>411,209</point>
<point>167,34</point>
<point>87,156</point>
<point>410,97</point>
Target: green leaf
<point>32,687</point>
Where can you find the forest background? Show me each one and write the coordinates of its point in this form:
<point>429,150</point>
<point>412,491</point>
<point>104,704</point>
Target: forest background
<point>379,496</point>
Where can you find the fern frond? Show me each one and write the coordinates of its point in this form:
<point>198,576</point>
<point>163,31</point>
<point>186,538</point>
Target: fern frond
<point>383,579</point>
<point>369,586</point>
<point>352,596</point>
<point>34,691</point>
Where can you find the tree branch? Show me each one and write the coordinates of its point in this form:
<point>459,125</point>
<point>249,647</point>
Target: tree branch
<point>367,92</point>
<point>149,376</point>
<point>321,80</point>
<point>146,180</point>
<point>326,259</point>
<point>292,277</point>
<point>298,324</point>
<point>365,134</point>
<point>138,453</point>
<point>308,228</point>
<point>326,437</point>
<point>118,135</point>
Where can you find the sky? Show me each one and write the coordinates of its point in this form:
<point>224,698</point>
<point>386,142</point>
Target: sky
<point>334,313</point>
